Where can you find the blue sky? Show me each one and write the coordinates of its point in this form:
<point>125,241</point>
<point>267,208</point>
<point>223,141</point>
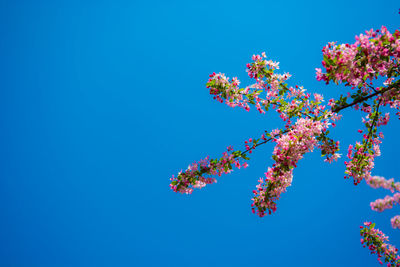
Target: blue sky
<point>102,101</point>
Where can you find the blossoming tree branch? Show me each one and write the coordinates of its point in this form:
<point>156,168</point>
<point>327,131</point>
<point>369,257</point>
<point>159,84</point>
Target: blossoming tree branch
<point>370,69</point>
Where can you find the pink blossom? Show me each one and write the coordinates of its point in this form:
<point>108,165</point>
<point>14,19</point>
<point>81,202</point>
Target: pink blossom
<point>289,149</point>
<point>395,221</point>
<point>377,244</point>
<point>381,182</point>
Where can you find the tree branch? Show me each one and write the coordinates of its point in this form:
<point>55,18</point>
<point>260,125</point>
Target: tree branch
<point>390,87</point>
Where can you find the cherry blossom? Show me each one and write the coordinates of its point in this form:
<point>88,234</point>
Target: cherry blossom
<point>395,221</point>
<point>370,69</point>
<point>377,244</point>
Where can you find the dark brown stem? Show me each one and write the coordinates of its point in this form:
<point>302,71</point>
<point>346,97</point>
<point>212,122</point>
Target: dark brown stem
<point>390,87</point>
<point>259,144</point>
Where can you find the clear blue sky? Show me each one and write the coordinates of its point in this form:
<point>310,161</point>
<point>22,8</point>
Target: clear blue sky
<point>102,101</point>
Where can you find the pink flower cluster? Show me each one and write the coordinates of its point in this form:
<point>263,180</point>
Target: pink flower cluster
<point>329,148</point>
<point>289,149</point>
<point>376,242</point>
<point>195,175</point>
<point>361,160</point>
<point>385,203</point>
<point>381,182</point>
<point>383,120</point>
<point>261,67</point>
<point>374,54</point>
<point>223,89</point>
<point>395,221</point>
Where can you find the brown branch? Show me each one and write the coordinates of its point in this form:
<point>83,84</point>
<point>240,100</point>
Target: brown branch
<point>390,87</point>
